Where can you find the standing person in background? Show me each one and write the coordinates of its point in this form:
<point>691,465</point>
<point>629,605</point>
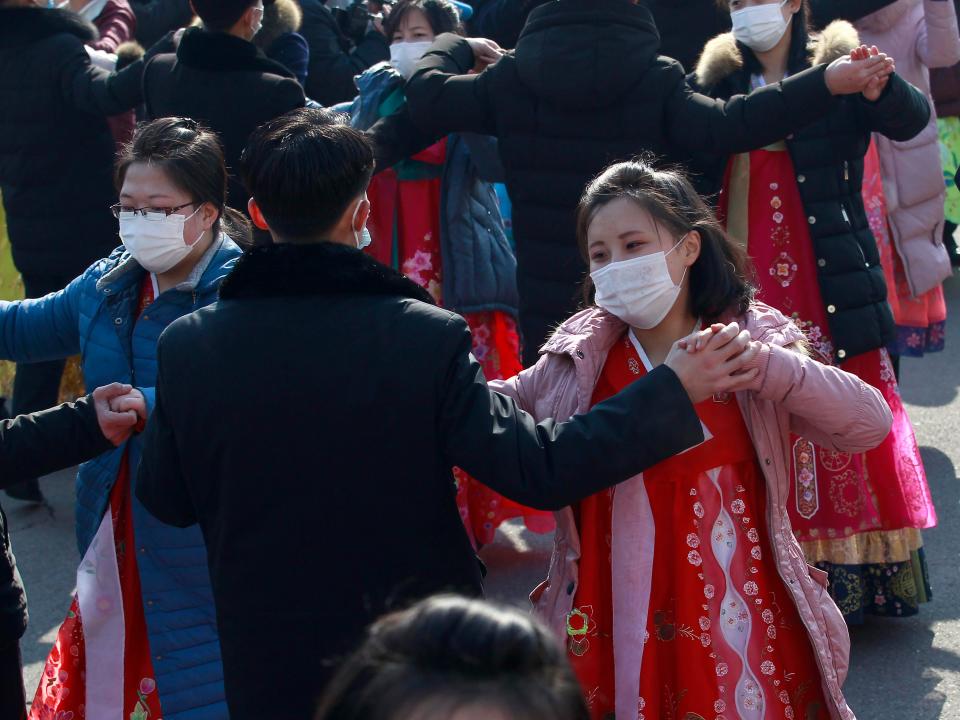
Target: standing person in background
<point>56,165</point>
<point>798,207</point>
<point>140,638</point>
<point>945,87</point>
<point>561,114</point>
<point>501,20</point>
<point>220,78</point>
<point>919,35</point>
<point>334,59</point>
<point>435,219</point>
<point>155,18</point>
<point>280,37</point>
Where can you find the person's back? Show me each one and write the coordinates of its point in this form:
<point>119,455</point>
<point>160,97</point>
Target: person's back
<point>220,78</point>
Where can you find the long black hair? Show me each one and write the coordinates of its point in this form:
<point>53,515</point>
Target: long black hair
<point>449,653</point>
<point>720,277</point>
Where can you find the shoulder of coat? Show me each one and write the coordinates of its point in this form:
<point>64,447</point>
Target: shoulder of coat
<point>837,39</point>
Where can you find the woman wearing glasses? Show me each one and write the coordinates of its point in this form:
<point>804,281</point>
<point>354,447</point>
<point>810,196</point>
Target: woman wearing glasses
<point>143,610</point>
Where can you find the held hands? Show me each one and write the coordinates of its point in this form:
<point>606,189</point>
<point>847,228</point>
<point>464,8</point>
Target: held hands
<point>865,70</point>
<point>120,408</point>
<point>715,360</point>
<point>485,53</point>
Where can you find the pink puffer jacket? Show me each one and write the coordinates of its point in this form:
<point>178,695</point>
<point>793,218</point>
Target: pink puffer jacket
<point>832,408</point>
<point>918,35</point>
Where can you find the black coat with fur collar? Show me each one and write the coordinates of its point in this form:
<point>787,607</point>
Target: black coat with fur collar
<point>309,422</point>
<point>828,159</point>
<point>226,83</point>
<point>56,151</point>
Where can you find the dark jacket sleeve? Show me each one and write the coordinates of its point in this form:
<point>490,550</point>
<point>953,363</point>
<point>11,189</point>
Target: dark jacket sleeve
<point>397,137</point>
<point>161,486</point>
<point>50,440</point>
<point>901,112</point>
<point>824,12</point>
<point>332,65</point>
<point>697,123</point>
<point>442,98</point>
<point>96,91</point>
<point>549,465</point>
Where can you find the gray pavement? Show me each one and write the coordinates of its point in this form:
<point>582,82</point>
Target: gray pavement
<point>905,669</point>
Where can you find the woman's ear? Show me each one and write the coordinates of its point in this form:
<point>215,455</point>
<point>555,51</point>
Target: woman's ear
<point>690,247</point>
<point>208,215</point>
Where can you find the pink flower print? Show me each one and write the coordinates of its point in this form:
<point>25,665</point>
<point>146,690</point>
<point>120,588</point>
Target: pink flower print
<point>751,588</point>
<point>62,676</point>
<point>767,667</point>
<point>693,541</point>
<point>880,600</point>
<point>914,340</point>
<point>722,669</point>
<point>104,604</point>
<point>784,697</point>
<point>755,552</point>
<point>772,632</point>
<point>719,706</point>
<point>788,713</point>
<point>147,686</point>
<point>693,557</point>
<point>738,507</point>
<point>698,509</point>
<point>704,623</point>
<point>705,639</point>
<point>767,616</point>
<point>708,591</point>
<point>753,536</point>
<point>418,264</point>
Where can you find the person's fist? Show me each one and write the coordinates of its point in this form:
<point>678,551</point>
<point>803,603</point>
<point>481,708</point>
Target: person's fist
<point>723,364</point>
<point>485,53</point>
<point>117,425</point>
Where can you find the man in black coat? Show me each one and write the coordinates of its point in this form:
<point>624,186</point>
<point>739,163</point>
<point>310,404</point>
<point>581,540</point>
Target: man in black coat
<point>586,87</point>
<point>34,445</point>
<point>334,59</point>
<point>221,79</point>
<point>325,493</point>
<point>56,165</point>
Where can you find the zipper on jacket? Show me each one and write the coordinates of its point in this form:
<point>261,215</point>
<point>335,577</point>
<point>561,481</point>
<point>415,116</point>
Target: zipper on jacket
<point>846,170</point>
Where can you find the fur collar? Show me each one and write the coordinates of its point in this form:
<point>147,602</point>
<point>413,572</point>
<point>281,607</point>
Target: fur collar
<point>24,25</point>
<point>288,270</point>
<point>280,18</point>
<point>722,56</point>
<point>220,52</point>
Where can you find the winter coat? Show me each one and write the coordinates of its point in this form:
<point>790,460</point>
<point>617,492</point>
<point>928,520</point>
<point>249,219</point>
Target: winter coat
<point>227,84</point>
<point>333,60</point>
<point>828,159</point>
<point>155,18</point>
<point>584,88</point>
<point>686,25</point>
<point>30,446</point>
<point>832,408</point>
<point>114,20</point>
<point>479,271</point>
<point>280,40</point>
<point>93,316</point>
<point>56,151</point>
<point>918,35</point>
<point>367,470</point>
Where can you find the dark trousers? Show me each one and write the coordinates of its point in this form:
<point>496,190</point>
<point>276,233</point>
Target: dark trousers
<point>13,701</point>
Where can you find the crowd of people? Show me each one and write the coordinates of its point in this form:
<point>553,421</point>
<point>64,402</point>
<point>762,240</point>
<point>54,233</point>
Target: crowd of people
<point>351,285</point>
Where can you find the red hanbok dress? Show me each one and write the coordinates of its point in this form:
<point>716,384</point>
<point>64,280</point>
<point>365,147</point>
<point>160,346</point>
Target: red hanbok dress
<point>405,226</point>
<point>857,516</point>
<point>723,639</point>
<point>99,666</point>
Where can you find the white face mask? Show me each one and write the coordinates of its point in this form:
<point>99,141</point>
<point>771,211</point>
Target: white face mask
<point>362,237</point>
<point>760,27</point>
<point>639,291</point>
<point>404,56</point>
<point>155,241</point>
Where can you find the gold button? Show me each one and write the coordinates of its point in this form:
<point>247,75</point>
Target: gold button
<point>831,309</point>
<point>812,220</point>
<point>821,262</point>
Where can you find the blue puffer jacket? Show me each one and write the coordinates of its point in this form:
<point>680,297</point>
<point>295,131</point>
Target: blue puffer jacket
<point>479,265</point>
<point>93,316</point>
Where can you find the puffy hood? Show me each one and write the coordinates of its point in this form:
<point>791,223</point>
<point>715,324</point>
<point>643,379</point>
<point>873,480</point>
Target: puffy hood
<point>586,53</point>
<point>24,25</point>
<point>886,18</point>
<point>279,18</point>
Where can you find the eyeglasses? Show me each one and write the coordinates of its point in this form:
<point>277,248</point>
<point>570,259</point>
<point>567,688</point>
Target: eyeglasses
<point>147,212</point>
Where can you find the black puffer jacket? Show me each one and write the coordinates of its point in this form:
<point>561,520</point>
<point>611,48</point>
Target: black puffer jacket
<point>828,159</point>
<point>585,88</point>
<point>56,150</point>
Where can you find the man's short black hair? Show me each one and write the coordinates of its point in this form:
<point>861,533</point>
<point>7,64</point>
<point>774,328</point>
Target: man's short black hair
<point>304,169</point>
<point>221,15</point>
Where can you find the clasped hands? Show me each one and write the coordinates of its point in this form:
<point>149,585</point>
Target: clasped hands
<point>121,411</point>
<point>718,359</point>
